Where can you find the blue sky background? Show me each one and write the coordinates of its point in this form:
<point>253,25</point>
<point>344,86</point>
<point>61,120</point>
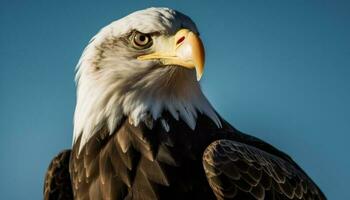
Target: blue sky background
<point>279,70</point>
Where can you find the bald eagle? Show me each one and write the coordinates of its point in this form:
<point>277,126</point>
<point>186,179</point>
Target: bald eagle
<point>143,128</point>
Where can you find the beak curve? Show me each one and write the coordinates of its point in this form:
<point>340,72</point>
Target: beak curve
<point>186,50</point>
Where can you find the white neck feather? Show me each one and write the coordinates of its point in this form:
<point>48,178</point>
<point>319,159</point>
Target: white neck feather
<point>102,102</point>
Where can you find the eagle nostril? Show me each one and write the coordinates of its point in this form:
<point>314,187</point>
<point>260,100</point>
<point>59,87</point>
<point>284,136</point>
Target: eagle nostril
<point>180,40</point>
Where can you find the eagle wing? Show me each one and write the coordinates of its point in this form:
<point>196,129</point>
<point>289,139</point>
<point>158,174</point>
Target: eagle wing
<point>240,171</point>
<point>57,185</point>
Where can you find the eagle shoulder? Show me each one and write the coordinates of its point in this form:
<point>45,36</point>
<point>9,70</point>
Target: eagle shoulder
<point>238,170</point>
<point>57,184</point>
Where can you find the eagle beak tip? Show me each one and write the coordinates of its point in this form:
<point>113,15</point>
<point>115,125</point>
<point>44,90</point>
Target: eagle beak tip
<point>199,76</point>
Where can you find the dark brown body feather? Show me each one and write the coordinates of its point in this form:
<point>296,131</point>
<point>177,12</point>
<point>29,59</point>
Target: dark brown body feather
<point>240,171</point>
<point>142,163</point>
<point>57,184</point>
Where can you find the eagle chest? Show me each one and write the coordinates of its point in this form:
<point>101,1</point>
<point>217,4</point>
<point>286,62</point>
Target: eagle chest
<point>141,163</point>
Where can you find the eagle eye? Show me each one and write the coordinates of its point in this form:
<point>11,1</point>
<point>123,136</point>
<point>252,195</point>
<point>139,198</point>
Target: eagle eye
<point>141,40</point>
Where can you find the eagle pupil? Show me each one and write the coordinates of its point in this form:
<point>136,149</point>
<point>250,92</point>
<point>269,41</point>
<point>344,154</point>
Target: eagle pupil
<point>142,38</point>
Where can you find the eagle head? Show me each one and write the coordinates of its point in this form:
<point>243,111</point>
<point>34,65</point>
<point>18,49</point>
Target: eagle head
<point>138,67</point>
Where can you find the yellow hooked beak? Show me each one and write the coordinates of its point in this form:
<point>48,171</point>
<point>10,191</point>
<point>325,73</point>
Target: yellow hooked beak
<point>185,50</point>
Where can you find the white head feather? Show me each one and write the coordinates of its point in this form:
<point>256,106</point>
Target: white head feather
<point>112,83</point>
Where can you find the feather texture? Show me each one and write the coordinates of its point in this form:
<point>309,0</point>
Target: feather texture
<point>142,163</point>
<point>57,184</point>
<point>168,165</point>
<point>239,171</point>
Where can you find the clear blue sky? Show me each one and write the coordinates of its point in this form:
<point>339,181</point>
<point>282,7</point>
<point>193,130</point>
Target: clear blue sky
<point>279,70</point>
